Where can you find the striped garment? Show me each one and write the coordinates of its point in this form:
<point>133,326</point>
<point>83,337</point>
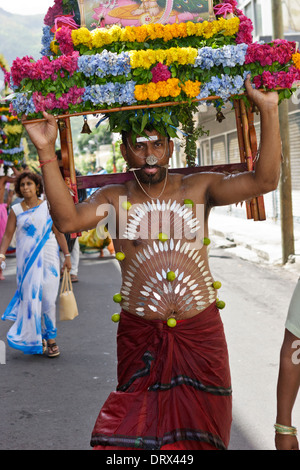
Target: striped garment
<point>174,387</point>
<point>32,309</point>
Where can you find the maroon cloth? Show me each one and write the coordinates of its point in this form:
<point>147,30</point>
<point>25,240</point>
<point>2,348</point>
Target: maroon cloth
<point>173,389</point>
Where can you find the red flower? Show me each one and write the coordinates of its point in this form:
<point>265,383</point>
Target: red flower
<point>160,73</point>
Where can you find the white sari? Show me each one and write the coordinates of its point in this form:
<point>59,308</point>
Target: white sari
<point>32,308</point>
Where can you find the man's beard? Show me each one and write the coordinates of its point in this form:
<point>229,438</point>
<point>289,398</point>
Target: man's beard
<point>156,178</point>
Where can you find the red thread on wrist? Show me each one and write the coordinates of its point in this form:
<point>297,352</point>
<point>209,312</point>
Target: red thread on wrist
<point>47,161</point>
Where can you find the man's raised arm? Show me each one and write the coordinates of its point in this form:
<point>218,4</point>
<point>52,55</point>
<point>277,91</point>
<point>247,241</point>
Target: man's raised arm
<point>67,216</point>
<point>224,190</point>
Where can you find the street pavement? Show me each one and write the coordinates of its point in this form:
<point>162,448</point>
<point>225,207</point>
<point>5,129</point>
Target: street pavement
<point>52,404</point>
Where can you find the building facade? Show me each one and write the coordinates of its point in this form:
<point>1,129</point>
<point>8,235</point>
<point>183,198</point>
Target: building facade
<point>221,146</point>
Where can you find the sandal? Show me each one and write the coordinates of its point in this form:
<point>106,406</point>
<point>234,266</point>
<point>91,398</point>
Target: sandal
<point>53,350</point>
<point>44,344</point>
<point>74,278</point>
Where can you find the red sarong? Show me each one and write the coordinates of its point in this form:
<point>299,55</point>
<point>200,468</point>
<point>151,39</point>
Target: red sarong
<point>173,389</point>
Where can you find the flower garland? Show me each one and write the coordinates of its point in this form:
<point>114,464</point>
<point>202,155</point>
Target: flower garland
<point>106,79</point>
<point>11,130</point>
<point>83,70</point>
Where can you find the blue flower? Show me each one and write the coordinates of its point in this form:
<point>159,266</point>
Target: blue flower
<point>104,64</point>
<point>226,56</point>
<point>47,38</point>
<point>110,93</point>
<point>22,104</point>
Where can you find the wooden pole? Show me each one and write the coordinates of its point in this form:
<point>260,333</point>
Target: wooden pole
<point>68,156</point>
<point>286,211</point>
<point>239,128</point>
<point>66,145</point>
<point>211,12</point>
<point>82,13</point>
<point>253,145</point>
<point>248,153</point>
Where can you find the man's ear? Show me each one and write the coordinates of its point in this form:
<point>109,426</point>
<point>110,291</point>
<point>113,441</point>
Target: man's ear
<point>171,148</point>
<point>123,150</point>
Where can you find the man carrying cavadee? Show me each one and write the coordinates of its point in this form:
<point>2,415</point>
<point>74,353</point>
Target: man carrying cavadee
<point>174,389</point>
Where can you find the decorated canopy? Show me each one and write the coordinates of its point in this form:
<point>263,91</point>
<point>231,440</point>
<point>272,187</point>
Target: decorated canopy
<point>11,130</point>
<point>149,66</point>
<point>149,63</point>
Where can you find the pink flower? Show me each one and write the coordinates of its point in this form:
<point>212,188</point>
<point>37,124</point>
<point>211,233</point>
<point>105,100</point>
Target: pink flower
<point>268,80</point>
<point>52,12</point>
<point>50,102</point>
<point>245,31</point>
<point>64,39</point>
<point>160,73</point>
<point>225,8</point>
<point>257,81</point>
<point>20,69</point>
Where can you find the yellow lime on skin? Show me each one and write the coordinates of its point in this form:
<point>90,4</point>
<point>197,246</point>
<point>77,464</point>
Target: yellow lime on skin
<point>171,322</point>
<point>163,237</point>
<point>171,276</point>
<point>126,205</point>
<point>115,317</point>
<point>217,285</point>
<point>220,304</point>
<point>117,298</point>
<point>206,241</point>
<point>120,255</point>
<point>188,202</point>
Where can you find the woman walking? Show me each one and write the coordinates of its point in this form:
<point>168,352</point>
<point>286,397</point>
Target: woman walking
<point>32,309</point>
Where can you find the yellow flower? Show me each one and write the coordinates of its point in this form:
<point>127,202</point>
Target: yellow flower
<point>231,26</point>
<point>162,89</point>
<point>13,129</point>
<point>82,36</point>
<point>153,94</point>
<point>140,92</point>
<point>296,60</point>
<point>141,33</point>
<point>191,28</point>
<point>98,37</point>
<point>173,85</point>
<point>54,47</point>
<point>115,33</point>
<point>154,91</point>
<point>128,34</point>
<point>191,89</point>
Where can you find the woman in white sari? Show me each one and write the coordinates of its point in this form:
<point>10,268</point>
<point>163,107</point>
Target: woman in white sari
<point>32,309</point>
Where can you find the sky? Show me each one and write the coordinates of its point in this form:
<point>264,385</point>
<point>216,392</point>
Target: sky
<point>26,7</point>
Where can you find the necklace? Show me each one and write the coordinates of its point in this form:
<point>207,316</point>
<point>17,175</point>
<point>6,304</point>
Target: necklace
<point>148,195</point>
<point>30,207</point>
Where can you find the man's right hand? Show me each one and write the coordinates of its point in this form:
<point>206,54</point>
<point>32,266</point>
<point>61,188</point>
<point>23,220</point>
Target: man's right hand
<point>285,442</point>
<point>43,134</point>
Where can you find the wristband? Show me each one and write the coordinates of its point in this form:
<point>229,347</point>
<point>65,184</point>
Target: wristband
<point>287,430</point>
<point>47,161</point>
<point>68,254</point>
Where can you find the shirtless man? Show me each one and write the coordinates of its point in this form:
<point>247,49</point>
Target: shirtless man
<point>3,209</point>
<point>174,388</point>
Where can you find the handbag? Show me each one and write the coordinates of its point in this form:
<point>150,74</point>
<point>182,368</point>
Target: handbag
<point>67,303</point>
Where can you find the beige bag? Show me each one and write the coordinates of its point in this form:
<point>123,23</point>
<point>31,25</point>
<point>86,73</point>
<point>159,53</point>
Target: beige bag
<point>67,303</point>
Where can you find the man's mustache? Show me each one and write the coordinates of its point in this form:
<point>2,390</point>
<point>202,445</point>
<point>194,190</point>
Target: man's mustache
<point>149,166</point>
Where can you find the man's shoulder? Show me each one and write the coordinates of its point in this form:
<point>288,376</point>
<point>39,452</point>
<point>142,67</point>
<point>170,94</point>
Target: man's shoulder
<point>198,177</point>
<point>112,190</point>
